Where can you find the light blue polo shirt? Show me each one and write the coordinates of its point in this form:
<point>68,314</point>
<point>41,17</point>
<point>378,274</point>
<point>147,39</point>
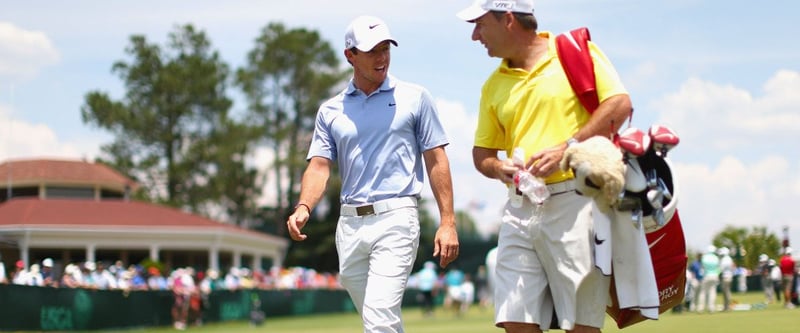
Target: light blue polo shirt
<point>378,140</point>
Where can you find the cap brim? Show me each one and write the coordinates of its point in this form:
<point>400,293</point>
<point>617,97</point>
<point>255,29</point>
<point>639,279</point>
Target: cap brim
<point>471,13</point>
<point>366,47</point>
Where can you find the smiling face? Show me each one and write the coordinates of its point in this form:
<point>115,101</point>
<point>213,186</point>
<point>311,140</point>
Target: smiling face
<point>370,68</point>
<point>490,31</point>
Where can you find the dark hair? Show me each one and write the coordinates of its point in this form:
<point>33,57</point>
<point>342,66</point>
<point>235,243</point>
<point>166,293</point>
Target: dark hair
<point>528,21</point>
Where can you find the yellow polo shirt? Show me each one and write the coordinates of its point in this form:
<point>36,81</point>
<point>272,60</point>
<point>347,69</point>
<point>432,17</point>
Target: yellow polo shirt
<point>538,109</point>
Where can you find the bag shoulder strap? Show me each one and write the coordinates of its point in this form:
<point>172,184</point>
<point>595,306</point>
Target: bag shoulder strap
<point>573,52</point>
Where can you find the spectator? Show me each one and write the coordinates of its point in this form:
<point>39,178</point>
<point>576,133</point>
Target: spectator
<point>155,280</point>
<point>467,296</point>
<point>211,282</point>
<point>117,269</point>
<point>182,289</point>
<point>763,270</point>
<point>71,277</point>
<point>453,280</point>
<point>696,268</point>
<point>740,274</point>
<point>482,287</point>
<point>708,286</point>
<point>775,277</point>
<point>787,277</point>
<point>726,267</point>
<point>103,278</point>
<point>233,279</point>
<point>20,275</point>
<point>426,283</point>
<point>135,278</point>
<point>88,276</point>
<point>34,277</point>
<point>47,273</point>
<point>3,276</point>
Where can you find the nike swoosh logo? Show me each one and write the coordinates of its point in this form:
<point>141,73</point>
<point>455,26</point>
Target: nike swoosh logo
<point>598,241</point>
<point>650,246</point>
<point>392,104</point>
<point>373,26</point>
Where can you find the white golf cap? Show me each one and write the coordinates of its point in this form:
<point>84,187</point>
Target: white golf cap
<point>365,32</point>
<point>481,7</point>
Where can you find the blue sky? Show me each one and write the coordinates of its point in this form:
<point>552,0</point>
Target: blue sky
<point>724,75</point>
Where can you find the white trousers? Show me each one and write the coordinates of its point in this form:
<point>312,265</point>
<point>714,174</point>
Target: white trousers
<point>376,255</point>
<point>708,294</point>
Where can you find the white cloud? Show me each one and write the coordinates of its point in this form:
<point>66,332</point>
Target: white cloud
<point>19,139</point>
<point>734,193</point>
<point>712,116</point>
<point>23,53</point>
<point>741,168</point>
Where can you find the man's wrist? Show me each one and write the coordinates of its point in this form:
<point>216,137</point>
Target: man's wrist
<point>571,142</point>
<point>303,205</point>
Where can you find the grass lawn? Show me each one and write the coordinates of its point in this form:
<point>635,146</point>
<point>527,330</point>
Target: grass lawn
<point>773,318</point>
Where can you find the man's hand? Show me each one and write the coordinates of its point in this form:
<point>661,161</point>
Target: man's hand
<point>545,162</point>
<point>445,244</point>
<point>297,221</point>
<point>487,163</point>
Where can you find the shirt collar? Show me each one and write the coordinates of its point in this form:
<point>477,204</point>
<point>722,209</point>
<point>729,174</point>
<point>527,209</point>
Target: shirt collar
<point>387,85</point>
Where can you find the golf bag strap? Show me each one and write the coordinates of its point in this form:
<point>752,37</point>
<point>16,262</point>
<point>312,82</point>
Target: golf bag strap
<point>573,53</point>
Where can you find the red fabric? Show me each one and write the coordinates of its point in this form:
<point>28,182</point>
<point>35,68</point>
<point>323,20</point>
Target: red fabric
<point>668,254</point>
<point>787,265</point>
<point>578,65</point>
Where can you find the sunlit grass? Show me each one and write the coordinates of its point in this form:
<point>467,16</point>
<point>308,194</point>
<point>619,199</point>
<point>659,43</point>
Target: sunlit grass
<point>773,318</point>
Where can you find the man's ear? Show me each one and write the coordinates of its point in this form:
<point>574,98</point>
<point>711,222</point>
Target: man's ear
<point>509,17</point>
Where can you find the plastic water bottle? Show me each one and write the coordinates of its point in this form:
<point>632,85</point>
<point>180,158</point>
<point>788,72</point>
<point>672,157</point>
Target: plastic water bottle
<point>533,187</point>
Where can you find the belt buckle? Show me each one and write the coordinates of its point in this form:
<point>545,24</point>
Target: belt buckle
<point>365,210</point>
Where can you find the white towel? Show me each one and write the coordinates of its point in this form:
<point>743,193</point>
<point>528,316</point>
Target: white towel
<point>602,238</point>
<point>633,269</point>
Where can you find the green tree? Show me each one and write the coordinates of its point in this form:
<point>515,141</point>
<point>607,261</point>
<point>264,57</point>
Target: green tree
<point>746,245</point>
<point>173,132</point>
<point>288,74</point>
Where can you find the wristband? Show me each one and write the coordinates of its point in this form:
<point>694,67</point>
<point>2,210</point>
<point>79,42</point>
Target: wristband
<point>571,142</point>
<point>304,205</point>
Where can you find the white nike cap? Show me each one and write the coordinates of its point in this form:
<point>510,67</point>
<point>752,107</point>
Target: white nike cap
<point>365,32</point>
<point>481,7</point>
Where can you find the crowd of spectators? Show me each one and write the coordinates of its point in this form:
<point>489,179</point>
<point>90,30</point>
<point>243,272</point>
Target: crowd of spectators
<point>107,276</point>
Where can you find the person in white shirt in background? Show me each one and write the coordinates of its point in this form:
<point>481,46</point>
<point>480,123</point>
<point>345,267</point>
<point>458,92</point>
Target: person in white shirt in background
<point>726,267</point>
<point>20,275</point>
<point>3,276</point>
<point>775,277</point>
<point>35,277</point>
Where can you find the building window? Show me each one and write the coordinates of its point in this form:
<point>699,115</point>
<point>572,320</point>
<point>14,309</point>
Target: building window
<point>70,192</point>
<point>19,192</point>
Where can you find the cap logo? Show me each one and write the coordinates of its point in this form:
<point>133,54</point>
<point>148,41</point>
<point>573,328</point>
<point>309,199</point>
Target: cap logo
<point>373,26</point>
<point>507,5</point>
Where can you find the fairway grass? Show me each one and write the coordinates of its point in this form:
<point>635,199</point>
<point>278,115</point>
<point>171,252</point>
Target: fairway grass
<point>773,318</point>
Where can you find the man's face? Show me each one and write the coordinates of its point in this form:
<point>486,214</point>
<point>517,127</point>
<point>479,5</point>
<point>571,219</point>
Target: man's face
<point>370,68</point>
<point>489,31</point>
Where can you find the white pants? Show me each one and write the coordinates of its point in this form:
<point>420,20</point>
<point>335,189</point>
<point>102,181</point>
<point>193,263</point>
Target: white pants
<point>708,294</point>
<point>376,255</point>
<point>545,261</point>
